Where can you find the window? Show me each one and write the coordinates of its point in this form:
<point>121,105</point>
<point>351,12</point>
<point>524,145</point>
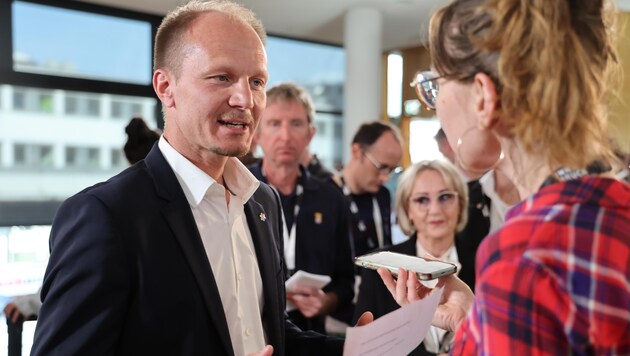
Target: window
<point>85,45</point>
<point>320,69</point>
<point>81,104</point>
<point>118,158</point>
<point>126,108</point>
<point>32,155</point>
<point>32,100</point>
<point>82,157</point>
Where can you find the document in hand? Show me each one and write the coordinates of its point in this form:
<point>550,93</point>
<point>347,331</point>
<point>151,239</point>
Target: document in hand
<point>396,333</point>
<point>305,279</point>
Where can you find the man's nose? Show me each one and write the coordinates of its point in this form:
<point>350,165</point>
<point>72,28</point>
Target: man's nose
<point>242,97</point>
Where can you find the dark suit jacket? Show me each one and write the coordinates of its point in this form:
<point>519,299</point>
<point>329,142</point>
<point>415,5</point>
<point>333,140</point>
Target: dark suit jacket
<point>374,296</point>
<point>322,245</point>
<point>128,274</point>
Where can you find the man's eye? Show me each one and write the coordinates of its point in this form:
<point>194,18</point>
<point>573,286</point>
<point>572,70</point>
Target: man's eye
<point>258,83</point>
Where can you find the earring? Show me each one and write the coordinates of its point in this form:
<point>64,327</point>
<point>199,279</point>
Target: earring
<point>482,153</point>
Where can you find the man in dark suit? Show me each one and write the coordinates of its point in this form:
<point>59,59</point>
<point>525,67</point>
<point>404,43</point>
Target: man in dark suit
<point>315,212</point>
<point>180,254</point>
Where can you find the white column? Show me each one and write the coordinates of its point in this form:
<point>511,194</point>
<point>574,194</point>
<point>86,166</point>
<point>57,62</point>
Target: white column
<point>362,92</point>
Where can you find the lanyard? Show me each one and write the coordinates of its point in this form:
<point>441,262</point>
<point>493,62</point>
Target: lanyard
<point>562,174</point>
<point>376,215</point>
<point>289,240</point>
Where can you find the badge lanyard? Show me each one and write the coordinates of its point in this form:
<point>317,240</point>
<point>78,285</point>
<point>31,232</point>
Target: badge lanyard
<point>289,240</point>
<point>376,214</point>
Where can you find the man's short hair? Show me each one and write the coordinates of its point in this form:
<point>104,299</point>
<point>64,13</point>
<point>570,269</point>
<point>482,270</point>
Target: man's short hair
<point>369,132</point>
<point>289,92</point>
<point>171,35</point>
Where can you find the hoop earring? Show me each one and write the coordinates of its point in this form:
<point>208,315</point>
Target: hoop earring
<point>487,147</point>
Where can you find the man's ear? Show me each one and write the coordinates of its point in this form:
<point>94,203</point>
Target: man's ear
<point>312,130</point>
<point>356,151</point>
<point>163,87</point>
<point>486,102</point>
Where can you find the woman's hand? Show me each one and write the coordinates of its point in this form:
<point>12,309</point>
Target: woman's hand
<point>456,301</point>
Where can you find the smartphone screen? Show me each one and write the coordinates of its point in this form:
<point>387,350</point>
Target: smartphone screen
<point>425,269</point>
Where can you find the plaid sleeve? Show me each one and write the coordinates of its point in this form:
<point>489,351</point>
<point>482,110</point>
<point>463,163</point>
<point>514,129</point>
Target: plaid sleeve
<point>525,313</point>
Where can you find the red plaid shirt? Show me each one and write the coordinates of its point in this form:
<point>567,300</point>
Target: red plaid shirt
<point>555,280</point>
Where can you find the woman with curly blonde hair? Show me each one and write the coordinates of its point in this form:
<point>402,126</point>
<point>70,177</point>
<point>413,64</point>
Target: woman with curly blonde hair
<point>528,79</point>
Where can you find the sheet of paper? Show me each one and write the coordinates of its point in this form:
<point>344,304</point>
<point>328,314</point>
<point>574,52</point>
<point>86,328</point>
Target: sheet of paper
<point>305,279</point>
<point>396,333</point>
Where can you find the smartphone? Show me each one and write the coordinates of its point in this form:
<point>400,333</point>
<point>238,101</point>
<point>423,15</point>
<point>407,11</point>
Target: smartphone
<point>425,269</point>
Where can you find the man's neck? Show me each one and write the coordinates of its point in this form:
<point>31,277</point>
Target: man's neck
<point>284,178</point>
<point>349,181</point>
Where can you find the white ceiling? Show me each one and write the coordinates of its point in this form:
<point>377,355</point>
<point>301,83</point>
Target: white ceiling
<point>404,21</point>
<point>318,20</point>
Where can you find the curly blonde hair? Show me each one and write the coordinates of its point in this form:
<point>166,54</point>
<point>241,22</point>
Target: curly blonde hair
<point>550,60</point>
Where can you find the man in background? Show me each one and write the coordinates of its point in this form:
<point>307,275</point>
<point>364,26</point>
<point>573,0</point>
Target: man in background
<point>314,211</point>
<point>375,154</point>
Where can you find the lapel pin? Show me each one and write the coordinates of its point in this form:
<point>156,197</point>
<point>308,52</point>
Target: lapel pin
<point>318,217</point>
<point>262,216</point>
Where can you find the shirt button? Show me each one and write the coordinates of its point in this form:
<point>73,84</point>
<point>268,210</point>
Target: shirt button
<point>248,332</point>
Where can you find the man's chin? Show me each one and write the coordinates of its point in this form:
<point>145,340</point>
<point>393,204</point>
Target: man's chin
<point>231,152</point>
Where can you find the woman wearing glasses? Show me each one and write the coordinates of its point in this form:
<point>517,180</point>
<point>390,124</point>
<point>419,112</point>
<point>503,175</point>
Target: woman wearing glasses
<point>431,206</point>
<point>528,78</point>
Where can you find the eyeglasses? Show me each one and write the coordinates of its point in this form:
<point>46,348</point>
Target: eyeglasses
<point>381,168</point>
<point>444,199</point>
<point>425,83</point>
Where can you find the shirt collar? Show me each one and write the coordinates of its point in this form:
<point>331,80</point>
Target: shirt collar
<point>196,182</point>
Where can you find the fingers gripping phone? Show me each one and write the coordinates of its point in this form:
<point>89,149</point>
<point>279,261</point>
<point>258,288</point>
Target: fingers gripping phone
<point>425,269</point>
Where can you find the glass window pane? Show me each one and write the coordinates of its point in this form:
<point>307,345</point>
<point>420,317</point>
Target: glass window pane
<point>86,45</point>
<point>50,156</point>
<point>317,67</point>
<point>327,142</point>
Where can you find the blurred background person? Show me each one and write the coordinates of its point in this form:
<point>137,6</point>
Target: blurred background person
<point>530,79</point>
<point>375,154</point>
<point>140,139</point>
<point>314,211</point>
<point>431,206</point>
<point>23,306</point>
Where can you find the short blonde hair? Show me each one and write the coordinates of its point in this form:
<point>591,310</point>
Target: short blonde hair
<point>289,92</point>
<point>452,179</point>
<point>170,36</point>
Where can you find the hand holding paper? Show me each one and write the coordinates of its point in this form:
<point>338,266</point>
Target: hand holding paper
<point>307,284</point>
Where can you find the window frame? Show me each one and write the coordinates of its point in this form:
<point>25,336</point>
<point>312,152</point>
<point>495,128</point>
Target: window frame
<point>46,81</point>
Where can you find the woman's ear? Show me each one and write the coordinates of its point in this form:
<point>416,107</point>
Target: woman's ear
<point>162,86</point>
<point>487,101</point>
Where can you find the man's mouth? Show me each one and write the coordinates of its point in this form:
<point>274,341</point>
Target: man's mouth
<point>234,124</point>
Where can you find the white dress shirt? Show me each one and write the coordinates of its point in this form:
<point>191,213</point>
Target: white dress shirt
<point>227,242</point>
<point>435,341</point>
<point>498,207</point>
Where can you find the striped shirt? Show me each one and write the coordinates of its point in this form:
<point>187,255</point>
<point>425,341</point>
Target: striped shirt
<point>556,278</point>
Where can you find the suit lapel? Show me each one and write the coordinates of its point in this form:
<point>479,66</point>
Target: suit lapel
<point>260,225</point>
<point>179,217</point>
